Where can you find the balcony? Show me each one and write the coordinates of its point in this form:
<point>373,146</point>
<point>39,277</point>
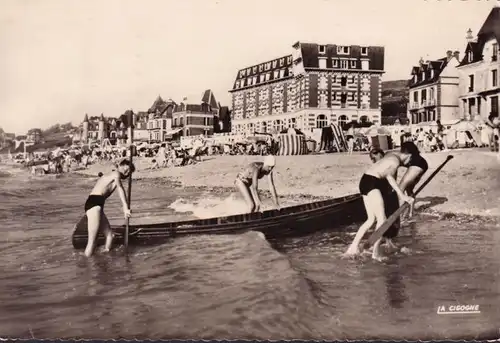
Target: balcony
<point>430,102</point>
<point>414,105</point>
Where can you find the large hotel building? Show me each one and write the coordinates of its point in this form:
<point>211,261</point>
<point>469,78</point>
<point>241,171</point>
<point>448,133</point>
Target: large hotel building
<point>317,85</point>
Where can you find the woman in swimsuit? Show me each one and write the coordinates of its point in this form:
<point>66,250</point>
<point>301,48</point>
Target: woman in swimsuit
<point>247,181</point>
<point>416,169</point>
<point>94,206</point>
<point>372,185</point>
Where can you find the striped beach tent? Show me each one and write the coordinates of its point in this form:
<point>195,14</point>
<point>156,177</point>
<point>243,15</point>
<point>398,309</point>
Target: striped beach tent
<point>292,143</point>
<point>332,136</point>
<point>339,136</point>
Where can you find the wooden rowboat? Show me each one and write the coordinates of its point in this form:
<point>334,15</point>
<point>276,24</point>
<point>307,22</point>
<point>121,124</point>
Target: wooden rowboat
<point>289,221</point>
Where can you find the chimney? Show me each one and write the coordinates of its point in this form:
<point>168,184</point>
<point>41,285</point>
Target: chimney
<point>456,54</point>
<point>421,61</point>
<point>449,54</point>
<point>469,36</point>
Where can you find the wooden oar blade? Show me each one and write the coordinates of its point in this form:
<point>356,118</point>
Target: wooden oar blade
<point>393,217</point>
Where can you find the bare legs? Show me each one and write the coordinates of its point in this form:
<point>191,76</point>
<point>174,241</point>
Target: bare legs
<point>97,220</point>
<point>374,205</point>
<point>247,196</point>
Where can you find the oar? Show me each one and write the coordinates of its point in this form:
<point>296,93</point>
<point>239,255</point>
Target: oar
<point>393,217</point>
<point>129,195</point>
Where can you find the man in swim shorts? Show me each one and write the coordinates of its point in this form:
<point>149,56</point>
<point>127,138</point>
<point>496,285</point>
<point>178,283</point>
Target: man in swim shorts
<point>372,186</point>
<point>94,206</point>
<point>247,182</point>
<point>391,201</point>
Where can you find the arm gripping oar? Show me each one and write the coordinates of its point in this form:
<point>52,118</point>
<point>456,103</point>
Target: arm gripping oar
<point>393,217</point>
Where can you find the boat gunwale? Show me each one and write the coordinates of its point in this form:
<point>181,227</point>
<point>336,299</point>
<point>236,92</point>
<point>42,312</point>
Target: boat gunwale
<point>280,217</point>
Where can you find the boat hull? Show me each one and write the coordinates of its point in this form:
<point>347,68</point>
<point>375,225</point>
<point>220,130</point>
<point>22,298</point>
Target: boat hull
<point>288,222</point>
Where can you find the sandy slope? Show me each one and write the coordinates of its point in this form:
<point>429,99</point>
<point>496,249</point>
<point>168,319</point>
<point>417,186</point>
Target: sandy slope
<point>469,184</point>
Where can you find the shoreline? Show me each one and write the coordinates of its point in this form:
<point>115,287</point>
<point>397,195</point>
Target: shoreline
<point>467,185</point>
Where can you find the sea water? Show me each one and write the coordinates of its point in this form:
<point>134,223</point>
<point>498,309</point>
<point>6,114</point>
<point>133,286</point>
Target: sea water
<point>238,286</point>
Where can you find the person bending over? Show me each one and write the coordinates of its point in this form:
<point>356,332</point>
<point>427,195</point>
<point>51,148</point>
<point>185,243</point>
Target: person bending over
<point>94,206</point>
<point>247,182</point>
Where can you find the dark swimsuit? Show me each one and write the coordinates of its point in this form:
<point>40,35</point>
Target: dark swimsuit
<point>390,197</point>
<point>370,182</point>
<point>94,200</point>
<point>419,161</point>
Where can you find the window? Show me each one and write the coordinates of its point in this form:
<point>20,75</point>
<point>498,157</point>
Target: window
<point>343,98</point>
<point>282,62</point>
<point>289,59</point>
<point>321,121</point>
<point>470,57</point>
<point>424,95</point>
<point>335,63</point>
<point>321,49</point>
<point>494,56</point>
<point>322,100</point>
<point>254,81</point>
<point>365,65</point>
<point>268,65</point>
<point>471,83</point>
<point>268,77</point>
<point>344,64</point>
<point>242,73</point>
<point>353,79</point>
<point>334,96</point>
<point>423,75</point>
<point>282,73</point>
<point>353,94</point>
<point>237,84</point>
<point>344,50</point>
<point>432,73</point>
<point>275,63</point>
<point>364,51</point>
<point>249,71</point>
<point>276,74</point>
<point>353,64</point>
<point>343,81</point>
<point>494,78</point>
<point>261,68</point>
<point>342,121</point>
<point>494,104</point>
<point>415,96</point>
<point>322,63</point>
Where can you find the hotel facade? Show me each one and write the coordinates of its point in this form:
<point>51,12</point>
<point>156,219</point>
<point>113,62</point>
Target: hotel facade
<point>479,69</point>
<point>315,86</point>
<point>434,91</point>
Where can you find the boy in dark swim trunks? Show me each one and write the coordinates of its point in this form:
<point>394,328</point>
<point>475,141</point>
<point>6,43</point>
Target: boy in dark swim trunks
<point>372,186</point>
<point>391,201</point>
<point>94,206</point>
<point>247,180</point>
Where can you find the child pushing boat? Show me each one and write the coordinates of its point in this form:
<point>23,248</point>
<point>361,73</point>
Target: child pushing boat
<point>247,182</point>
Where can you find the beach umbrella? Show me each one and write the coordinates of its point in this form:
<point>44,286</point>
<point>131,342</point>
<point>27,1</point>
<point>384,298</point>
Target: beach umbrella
<point>376,131</point>
<point>464,126</point>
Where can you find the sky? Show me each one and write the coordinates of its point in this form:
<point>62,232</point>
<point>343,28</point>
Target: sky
<point>60,59</point>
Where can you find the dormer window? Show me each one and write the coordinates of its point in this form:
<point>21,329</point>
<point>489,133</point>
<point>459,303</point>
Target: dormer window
<point>289,59</point>
<point>275,64</point>
<point>321,49</point>
<point>249,71</point>
<point>254,69</point>
<point>282,62</point>
<point>432,73</point>
<point>261,68</point>
<point>423,75</point>
<point>415,78</point>
<point>268,65</point>
<point>469,56</point>
<point>276,74</point>
<point>335,63</point>
<point>343,50</point>
<point>353,64</point>
<point>364,51</point>
<point>494,56</point>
